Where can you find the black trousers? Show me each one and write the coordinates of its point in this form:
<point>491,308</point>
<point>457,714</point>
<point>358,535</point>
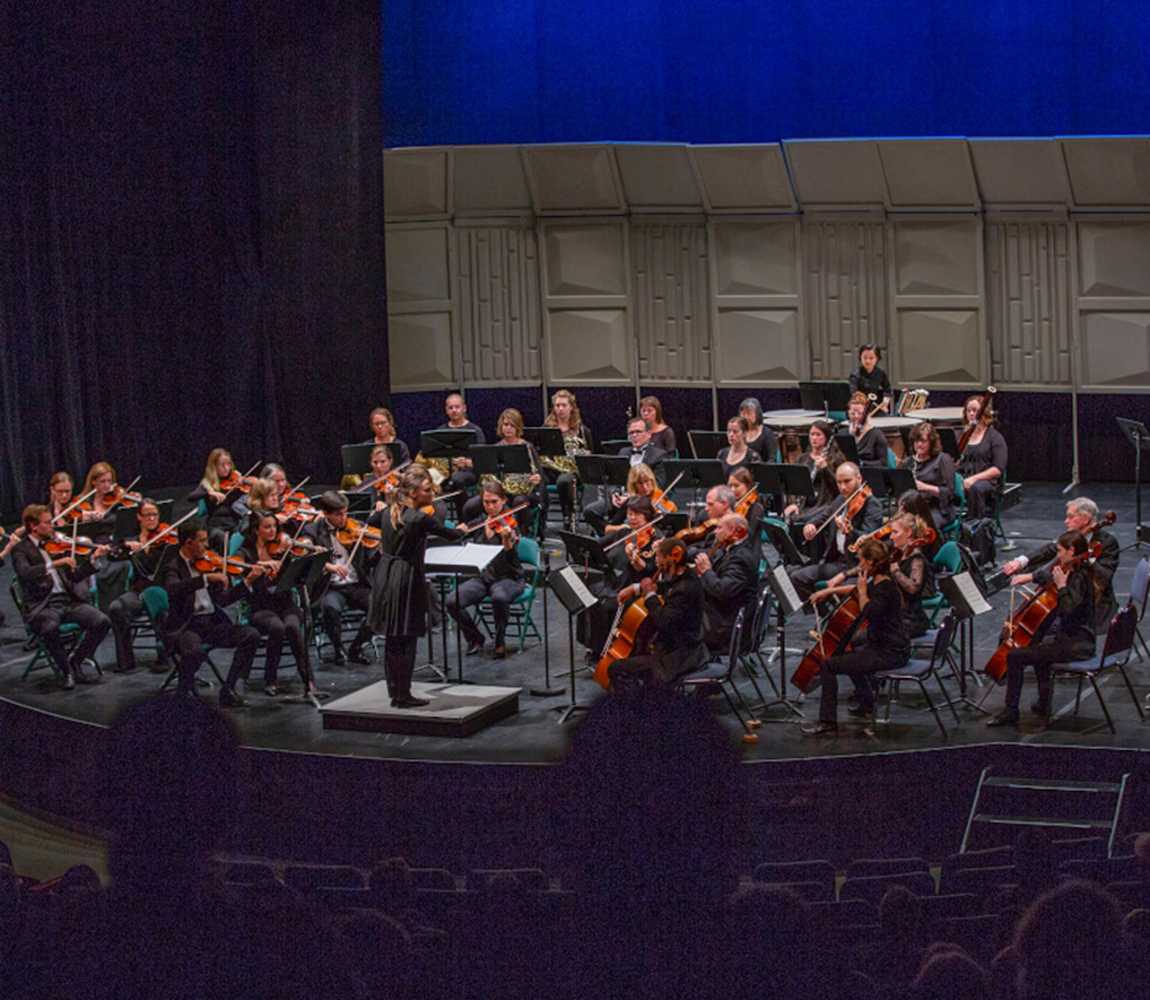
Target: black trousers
<point>399,663</point>
<point>656,669</point>
<point>206,630</point>
<point>858,665</point>
<point>471,592</point>
<point>978,499</point>
<point>567,487</point>
<point>277,628</point>
<point>335,601</point>
<point>1042,656</point>
<point>460,479</point>
<point>61,609</point>
<point>806,577</point>
<point>122,611</point>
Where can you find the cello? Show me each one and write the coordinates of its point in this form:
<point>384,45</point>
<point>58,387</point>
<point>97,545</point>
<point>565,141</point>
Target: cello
<point>1028,622</point>
<point>833,638</point>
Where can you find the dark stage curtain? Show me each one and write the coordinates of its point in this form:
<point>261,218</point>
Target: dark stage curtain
<point>191,217</point>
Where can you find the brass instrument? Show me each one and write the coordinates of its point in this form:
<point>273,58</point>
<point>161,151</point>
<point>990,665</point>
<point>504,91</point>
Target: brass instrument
<point>574,444</point>
<point>516,484</point>
<point>438,468</point>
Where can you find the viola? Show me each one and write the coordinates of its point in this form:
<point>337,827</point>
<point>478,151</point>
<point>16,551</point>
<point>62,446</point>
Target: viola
<point>878,535</point>
<point>1023,625</point>
<point>120,497</point>
<point>356,531</point>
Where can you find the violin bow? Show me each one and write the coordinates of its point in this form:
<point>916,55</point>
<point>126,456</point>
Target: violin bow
<point>841,507</point>
<point>75,530</point>
<point>123,493</point>
<point>633,533</point>
<point>167,531</point>
<point>73,505</point>
<point>497,517</point>
<point>287,548</point>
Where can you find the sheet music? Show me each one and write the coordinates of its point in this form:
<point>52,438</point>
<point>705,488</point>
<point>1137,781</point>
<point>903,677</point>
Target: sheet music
<point>578,588</point>
<point>466,560</point>
<point>786,589</point>
<point>970,593</point>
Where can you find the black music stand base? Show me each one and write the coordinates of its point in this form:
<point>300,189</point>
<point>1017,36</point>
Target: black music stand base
<point>546,691</point>
<point>440,672</point>
<point>567,712</point>
<point>780,651</point>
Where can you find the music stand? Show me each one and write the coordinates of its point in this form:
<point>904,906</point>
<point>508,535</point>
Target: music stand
<point>361,503</point>
<point>575,598</point>
<point>811,396</point>
<point>787,602</point>
<point>294,571</point>
<point>356,458</point>
<point>1138,435</point>
<point>586,551</point>
<point>127,522</point>
<point>498,460</point>
<point>697,473</point>
<point>548,441</point>
<point>612,446</point>
<point>603,471</point>
<point>448,444</point>
<point>966,601</point>
<point>836,396</point>
<point>783,544</point>
<point>848,446</point>
<point>783,479</point>
<point>547,691</point>
<point>706,444</point>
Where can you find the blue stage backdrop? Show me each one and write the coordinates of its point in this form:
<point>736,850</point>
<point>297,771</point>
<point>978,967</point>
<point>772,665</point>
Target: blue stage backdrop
<point>757,71</point>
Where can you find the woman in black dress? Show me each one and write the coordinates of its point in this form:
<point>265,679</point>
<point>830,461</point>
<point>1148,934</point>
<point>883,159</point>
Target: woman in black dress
<point>738,453</point>
<point>869,440</point>
<point>868,377</point>
<point>399,603</point>
<point>983,461</point>
<point>933,472</point>
<point>275,614</point>
<point>760,438</point>
<point>651,410</point>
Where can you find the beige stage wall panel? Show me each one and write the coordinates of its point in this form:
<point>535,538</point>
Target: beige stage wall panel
<point>670,294</point>
<point>1114,304</point>
<point>499,308</point>
<point>846,301</point>
<point>1029,295</point>
<point>423,336</point>
<point>586,302</point>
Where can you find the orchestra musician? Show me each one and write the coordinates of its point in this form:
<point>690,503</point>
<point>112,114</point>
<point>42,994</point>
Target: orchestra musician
<point>517,485</point>
<point>719,502</point>
<point>56,593</point>
<point>346,579</point>
<point>1081,513</point>
<point>399,601</point>
<point>837,555</point>
<point>673,599</point>
<point>641,451</point>
<point>880,641</point>
<point>933,472</point>
<point>577,440</point>
<point>868,378</point>
<point>381,480</point>
<point>462,476</point>
<point>1069,633</point>
<point>662,437</point>
<point>741,483</point>
<point>607,516</point>
<point>274,614</point>
<point>112,574</point>
<point>913,502</point>
<point>869,440</point>
<point>983,461</point>
<point>196,617</point>
<point>383,432</point>
<point>759,437</point>
<point>219,490</point>
<point>502,580</point>
<point>729,572</point>
<point>738,453</point>
<point>821,459</point>
<point>148,567</point>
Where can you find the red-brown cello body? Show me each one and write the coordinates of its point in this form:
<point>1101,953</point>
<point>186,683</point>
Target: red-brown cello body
<point>1021,628</point>
<point>834,639</point>
<point>631,636</point>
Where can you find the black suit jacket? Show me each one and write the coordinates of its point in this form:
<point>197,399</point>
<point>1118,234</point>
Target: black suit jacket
<point>182,585</point>
<point>652,456</point>
<point>1105,566</point>
<point>32,572</point>
<point>728,587</point>
<point>320,532</point>
<point>868,520</point>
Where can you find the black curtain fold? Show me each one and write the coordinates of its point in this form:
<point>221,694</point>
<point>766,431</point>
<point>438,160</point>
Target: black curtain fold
<point>192,233</point>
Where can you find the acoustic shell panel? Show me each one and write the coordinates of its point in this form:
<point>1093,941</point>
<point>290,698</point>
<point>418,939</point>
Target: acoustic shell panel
<point>1029,298</point>
<point>760,347</point>
<point>936,257</point>
<point>658,178</point>
<point>671,297</point>
<point>421,307</point>
<point>756,258</point>
<point>499,313</point>
<point>416,184</point>
<point>744,178</point>
<point>846,298</point>
<point>418,264</point>
<point>829,173</point>
<point>421,351</point>
<point>1116,350</point>
<point>587,325</point>
<point>577,180</point>
<point>1020,172</point>
<point>1114,258</point>
<point>1109,172</point>
<point>939,347</point>
<point>928,174</point>
<point>489,180</point>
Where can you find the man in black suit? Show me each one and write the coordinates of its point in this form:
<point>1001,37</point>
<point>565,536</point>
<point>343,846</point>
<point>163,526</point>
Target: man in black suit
<point>675,608</point>
<point>1081,514</point>
<point>641,451</point>
<point>55,593</point>
<point>195,617</point>
<point>347,580</point>
<point>840,535</point>
<point>728,579</point>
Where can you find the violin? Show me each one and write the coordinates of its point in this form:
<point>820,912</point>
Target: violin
<point>1023,625</point>
<point>234,481</point>
<point>878,535</point>
<point>660,501</point>
<point>170,538</point>
<point>690,535</point>
<point>358,532</point>
<point>298,547</point>
<point>213,562</point>
<point>750,498</point>
<point>61,545</point>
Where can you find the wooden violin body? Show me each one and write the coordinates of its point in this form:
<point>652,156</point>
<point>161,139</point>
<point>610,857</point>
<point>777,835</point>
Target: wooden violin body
<point>835,637</point>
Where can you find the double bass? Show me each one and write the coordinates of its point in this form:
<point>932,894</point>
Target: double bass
<point>1028,622</point>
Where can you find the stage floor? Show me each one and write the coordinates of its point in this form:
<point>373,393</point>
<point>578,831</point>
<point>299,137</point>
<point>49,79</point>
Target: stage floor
<point>535,734</point>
